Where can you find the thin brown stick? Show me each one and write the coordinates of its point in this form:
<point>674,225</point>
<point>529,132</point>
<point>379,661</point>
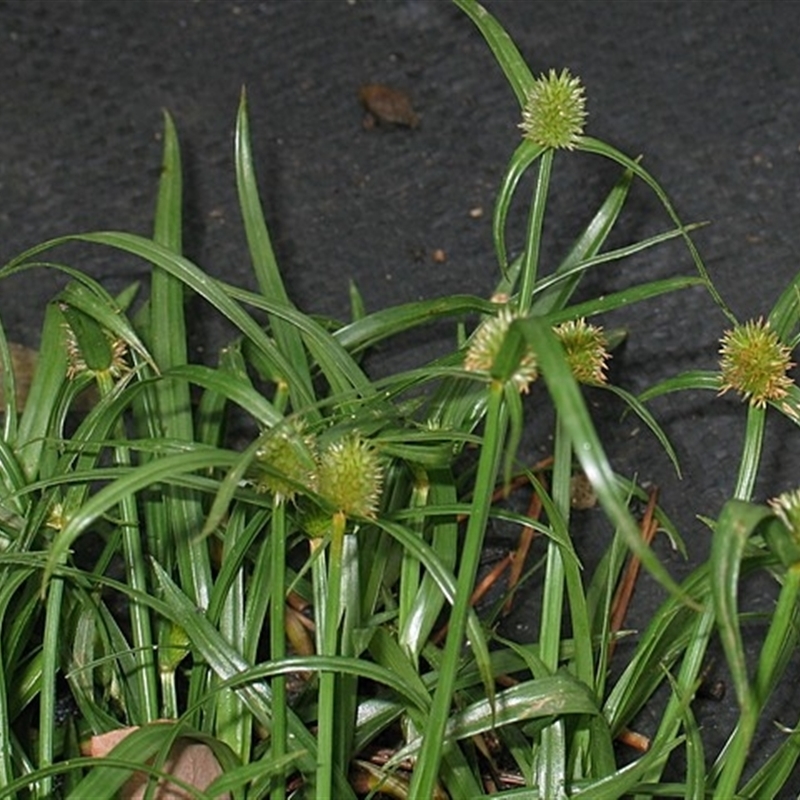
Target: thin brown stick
<point>517,482</point>
<point>526,537</point>
<point>480,590</point>
<point>622,597</point>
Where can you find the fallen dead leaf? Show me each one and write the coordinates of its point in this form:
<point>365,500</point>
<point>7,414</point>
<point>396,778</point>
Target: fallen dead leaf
<point>387,106</point>
<point>190,761</point>
<point>23,362</point>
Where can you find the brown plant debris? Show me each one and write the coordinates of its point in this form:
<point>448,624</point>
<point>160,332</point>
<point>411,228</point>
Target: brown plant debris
<point>189,761</point>
<point>386,106</point>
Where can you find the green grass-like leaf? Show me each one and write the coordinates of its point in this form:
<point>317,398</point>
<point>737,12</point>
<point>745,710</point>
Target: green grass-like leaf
<point>293,639</point>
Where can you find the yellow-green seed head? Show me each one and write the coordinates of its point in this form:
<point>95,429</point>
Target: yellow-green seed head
<point>585,348</point>
<point>787,509</point>
<point>754,362</point>
<point>555,111</point>
<point>351,476</point>
<point>485,346</point>
<point>285,462</point>
<point>114,363</point>
<point>57,517</point>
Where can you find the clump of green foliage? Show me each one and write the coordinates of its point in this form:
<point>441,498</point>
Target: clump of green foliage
<point>348,505</point>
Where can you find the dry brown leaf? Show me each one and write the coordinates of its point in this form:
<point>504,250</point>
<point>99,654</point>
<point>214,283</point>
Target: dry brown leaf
<point>190,761</point>
<point>23,362</point>
<point>386,105</point>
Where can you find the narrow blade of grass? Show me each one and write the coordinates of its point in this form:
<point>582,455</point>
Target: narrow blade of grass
<point>505,51</point>
<point>262,255</point>
<point>571,405</point>
<point>586,246</point>
<point>523,157</point>
<point>737,522</point>
<point>427,768</point>
<point>35,424</point>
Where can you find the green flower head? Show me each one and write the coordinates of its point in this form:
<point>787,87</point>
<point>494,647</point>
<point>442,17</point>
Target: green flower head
<point>284,462</point>
<point>784,540</point>
<point>754,362</point>
<point>485,346</point>
<point>351,476</point>
<point>585,348</point>
<point>787,509</point>
<point>555,111</point>
<point>112,361</point>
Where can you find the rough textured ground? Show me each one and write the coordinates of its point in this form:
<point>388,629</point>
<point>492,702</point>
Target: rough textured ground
<point>706,92</point>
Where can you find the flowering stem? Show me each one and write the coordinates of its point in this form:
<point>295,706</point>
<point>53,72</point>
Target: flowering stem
<point>751,453</point>
<point>530,258</point>
<point>423,782</point>
<point>330,614</point>
<point>277,636</point>
<point>552,753</point>
<point>410,565</point>
<point>49,673</point>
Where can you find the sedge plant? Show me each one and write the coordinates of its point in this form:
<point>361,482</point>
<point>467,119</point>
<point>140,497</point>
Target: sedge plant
<point>281,603</point>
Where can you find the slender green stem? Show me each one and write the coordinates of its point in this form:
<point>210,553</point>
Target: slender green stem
<point>551,760</point>
<point>142,633</point>
<point>326,717</point>
<point>552,610</point>
<point>734,756</point>
<point>9,584</point>
<point>351,627</point>
<point>587,757</point>
<point>277,638</point>
<point>169,693</point>
<point>51,648</point>
<point>533,243</point>
<point>686,683</point>
<point>410,566</point>
<point>751,453</point>
<point>782,627</point>
<point>426,772</point>
<point>146,678</point>
<point>231,723</point>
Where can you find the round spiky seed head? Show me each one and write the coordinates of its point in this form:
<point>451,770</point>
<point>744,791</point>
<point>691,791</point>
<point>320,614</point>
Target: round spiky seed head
<point>285,462</point>
<point>585,348</point>
<point>555,111</point>
<point>351,476</point>
<point>485,346</point>
<point>787,508</point>
<point>754,362</point>
<point>116,364</point>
